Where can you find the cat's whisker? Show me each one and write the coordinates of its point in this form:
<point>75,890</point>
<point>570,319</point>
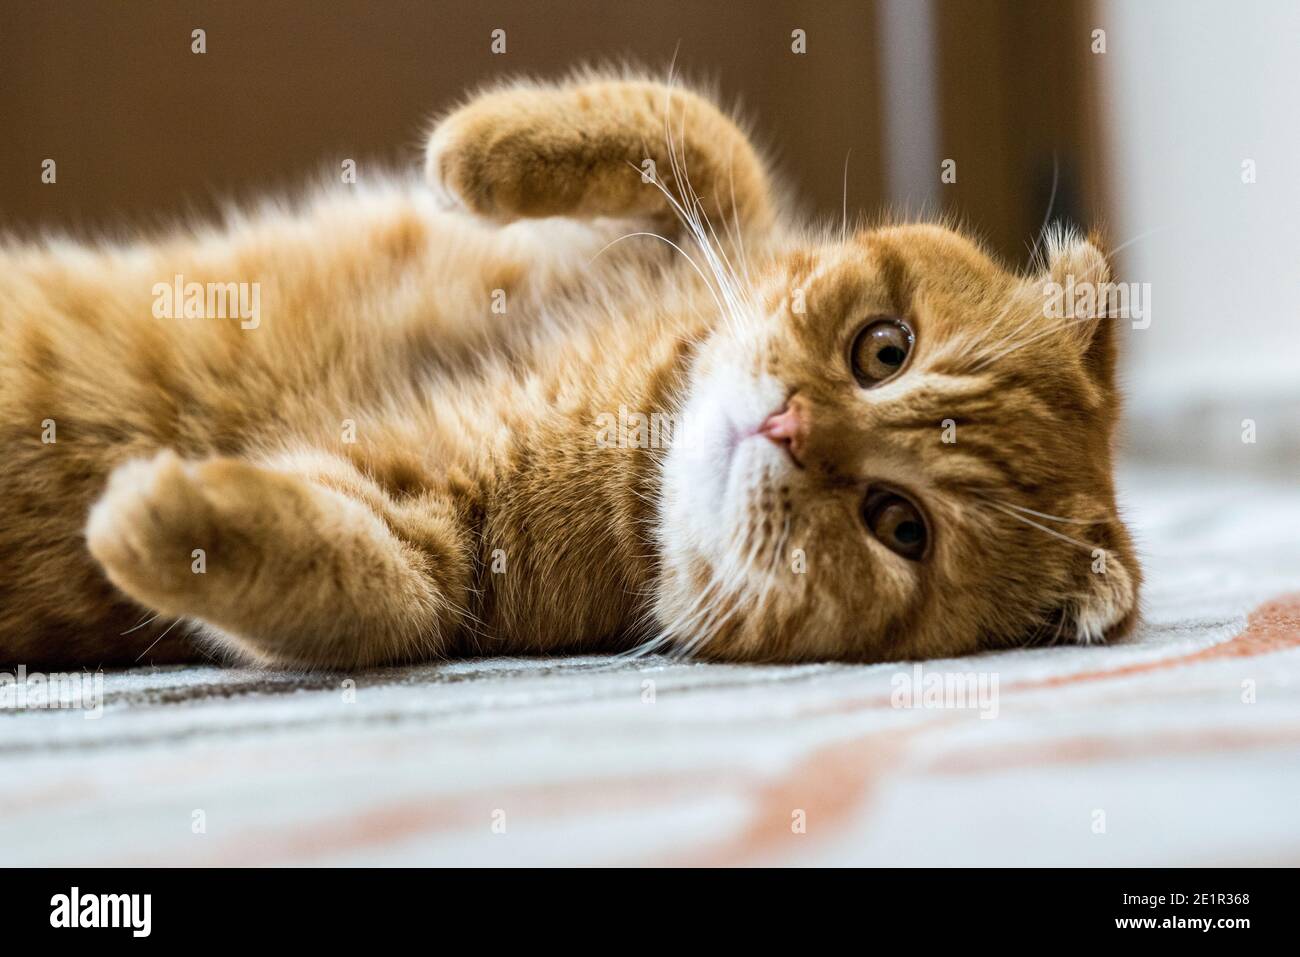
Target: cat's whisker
<point>777,548</point>
<point>688,220</point>
<point>1054,518</point>
<point>146,620</point>
<point>644,623</point>
<point>1029,290</point>
<point>719,248</point>
<point>978,345</point>
<point>739,239</point>
<point>1012,302</point>
<point>690,211</point>
<point>1047,217</point>
<point>159,638</point>
<point>688,629</point>
<point>1010,339</point>
<point>721,612</point>
<point>733,588</point>
<point>693,216</point>
<point>844,200</point>
<point>720,615</point>
<point>721,307</point>
<point>711,609</point>
<point>1035,266</point>
<point>1138,238</point>
<point>1060,630</point>
<point>661,636</point>
<point>1053,329</point>
<point>477,625</point>
<point>741,288</point>
<point>1042,528</point>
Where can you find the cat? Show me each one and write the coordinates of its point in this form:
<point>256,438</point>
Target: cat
<point>406,421</point>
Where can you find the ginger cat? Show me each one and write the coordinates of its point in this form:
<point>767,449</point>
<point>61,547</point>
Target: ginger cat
<point>422,431</point>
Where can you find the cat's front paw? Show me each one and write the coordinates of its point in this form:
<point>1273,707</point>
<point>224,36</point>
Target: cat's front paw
<point>534,153</point>
<point>474,162</point>
<point>595,148</point>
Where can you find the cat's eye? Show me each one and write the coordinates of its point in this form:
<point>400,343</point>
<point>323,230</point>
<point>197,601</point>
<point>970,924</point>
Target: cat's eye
<point>880,350</point>
<point>896,523</point>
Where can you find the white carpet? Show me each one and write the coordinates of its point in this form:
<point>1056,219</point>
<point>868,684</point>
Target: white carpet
<point>1181,746</point>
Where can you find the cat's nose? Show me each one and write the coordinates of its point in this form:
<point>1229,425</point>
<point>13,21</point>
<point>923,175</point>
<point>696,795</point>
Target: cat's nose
<point>788,427</point>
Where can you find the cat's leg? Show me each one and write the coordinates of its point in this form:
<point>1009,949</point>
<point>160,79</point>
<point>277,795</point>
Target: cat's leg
<point>301,562</point>
<point>592,148</point>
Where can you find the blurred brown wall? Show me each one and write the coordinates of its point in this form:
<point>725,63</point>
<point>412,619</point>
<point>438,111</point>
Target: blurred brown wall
<point>1017,88</point>
<point>142,128</point>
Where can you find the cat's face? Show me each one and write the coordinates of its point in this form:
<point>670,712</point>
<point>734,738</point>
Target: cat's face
<point>897,450</point>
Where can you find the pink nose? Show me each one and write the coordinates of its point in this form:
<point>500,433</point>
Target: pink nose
<point>787,427</point>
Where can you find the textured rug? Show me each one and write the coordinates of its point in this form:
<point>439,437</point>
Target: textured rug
<point>1179,746</point>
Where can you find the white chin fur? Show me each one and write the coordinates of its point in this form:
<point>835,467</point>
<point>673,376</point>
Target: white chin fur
<point>706,470</point>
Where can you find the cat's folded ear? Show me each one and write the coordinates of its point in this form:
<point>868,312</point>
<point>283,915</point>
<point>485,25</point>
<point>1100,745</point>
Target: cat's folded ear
<point>1076,295</point>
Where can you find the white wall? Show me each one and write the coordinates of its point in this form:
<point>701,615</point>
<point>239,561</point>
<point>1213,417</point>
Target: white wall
<point>1191,89</point>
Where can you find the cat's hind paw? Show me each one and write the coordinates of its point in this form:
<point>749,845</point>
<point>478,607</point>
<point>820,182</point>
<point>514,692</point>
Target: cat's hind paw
<point>145,528</point>
<point>177,536</point>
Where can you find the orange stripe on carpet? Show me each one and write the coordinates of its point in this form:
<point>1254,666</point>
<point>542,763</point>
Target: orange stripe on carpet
<point>1273,626</point>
